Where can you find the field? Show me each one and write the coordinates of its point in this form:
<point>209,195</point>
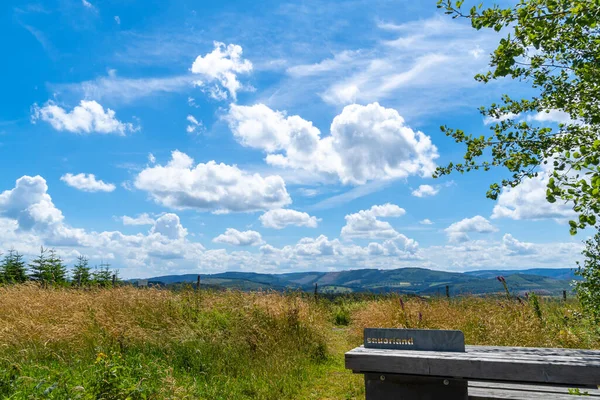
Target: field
<point>159,344</point>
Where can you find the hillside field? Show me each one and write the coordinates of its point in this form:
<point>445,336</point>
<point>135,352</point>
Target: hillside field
<point>125,342</point>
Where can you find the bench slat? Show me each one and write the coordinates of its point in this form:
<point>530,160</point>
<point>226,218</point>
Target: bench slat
<point>525,365</point>
<point>491,390</point>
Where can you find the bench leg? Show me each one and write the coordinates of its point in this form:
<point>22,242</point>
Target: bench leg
<point>402,387</point>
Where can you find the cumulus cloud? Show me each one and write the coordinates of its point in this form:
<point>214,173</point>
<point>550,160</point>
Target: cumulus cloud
<point>237,238</point>
<point>279,219</point>
<point>364,224</point>
<point>515,247</point>
<point>87,183</point>
<point>31,206</point>
<point>425,191</point>
<point>211,187</point>
<point>527,201</point>
<point>426,221</point>
<point>87,117</point>
<point>142,219</point>
<point>221,67</point>
<point>169,226</point>
<point>365,143</point>
<point>457,232</point>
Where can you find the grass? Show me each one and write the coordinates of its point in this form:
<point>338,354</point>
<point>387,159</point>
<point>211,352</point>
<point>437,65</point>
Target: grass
<point>127,343</point>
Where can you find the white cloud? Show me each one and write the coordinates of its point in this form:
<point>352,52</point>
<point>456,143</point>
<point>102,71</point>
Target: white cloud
<point>87,4</point>
<point>87,183</point>
<point>118,20</point>
<point>279,219</point>
<point>222,65</point>
<point>125,90</point>
<point>87,117</point>
<point>425,191</point>
<point>557,116</point>
<point>211,186</point>
<point>528,201</point>
<point>308,192</point>
<point>515,247</point>
<point>142,219</point>
<point>237,238</point>
<point>29,219</point>
<point>331,64</point>
<point>492,120</point>
<point>169,226</point>
<point>424,70</point>
<point>426,221</point>
<point>151,158</point>
<point>193,124</point>
<point>364,224</point>
<point>366,142</point>
<point>457,232</point>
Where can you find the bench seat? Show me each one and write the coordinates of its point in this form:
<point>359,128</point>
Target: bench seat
<point>493,390</point>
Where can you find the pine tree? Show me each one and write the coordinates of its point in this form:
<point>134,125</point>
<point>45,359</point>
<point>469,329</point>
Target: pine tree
<point>13,267</point>
<point>56,269</point>
<point>103,275</point>
<point>39,268</point>
<point>81,272</point>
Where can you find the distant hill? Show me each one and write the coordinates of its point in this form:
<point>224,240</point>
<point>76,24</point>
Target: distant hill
<point>420,281</point>
<point>555,273</point>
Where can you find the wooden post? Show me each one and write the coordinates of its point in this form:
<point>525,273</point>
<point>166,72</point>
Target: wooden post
<point>564,295</point>
<point>447,291</point>
<point>316,290</point>
<point>198,283</point>
<point>114,279</point>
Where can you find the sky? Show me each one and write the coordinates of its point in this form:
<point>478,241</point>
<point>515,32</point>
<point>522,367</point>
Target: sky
<point>200,137</point>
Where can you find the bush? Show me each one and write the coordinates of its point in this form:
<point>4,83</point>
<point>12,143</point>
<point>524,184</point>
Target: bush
<point>588,290</point>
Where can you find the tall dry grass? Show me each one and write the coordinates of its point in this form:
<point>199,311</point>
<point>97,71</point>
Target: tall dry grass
<point>484,321</point>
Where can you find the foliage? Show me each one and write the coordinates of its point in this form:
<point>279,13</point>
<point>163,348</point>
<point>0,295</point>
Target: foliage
<point>553,46</point>
<point>588,290</point>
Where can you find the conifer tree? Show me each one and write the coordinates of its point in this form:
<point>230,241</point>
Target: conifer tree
<point>81,272</point>
<point>57,271</point>
<point>39,268</point>
<point>103,275</point>
<point>13,267</point>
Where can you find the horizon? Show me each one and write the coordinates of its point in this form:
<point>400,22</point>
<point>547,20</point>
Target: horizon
<point>186,138</point>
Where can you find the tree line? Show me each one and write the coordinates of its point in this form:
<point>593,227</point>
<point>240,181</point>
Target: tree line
<point>48,268</point>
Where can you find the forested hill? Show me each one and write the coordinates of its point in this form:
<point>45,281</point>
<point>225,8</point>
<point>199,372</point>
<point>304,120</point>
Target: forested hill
<point>405,280</point>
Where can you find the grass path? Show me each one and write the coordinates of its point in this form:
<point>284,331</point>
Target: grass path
<point>332,380</point>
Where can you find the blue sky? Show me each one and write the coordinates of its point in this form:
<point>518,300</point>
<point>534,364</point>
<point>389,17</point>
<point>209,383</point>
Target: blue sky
<point>189,136</point>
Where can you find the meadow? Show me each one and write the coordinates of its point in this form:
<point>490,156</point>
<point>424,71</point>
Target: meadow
<point>129,343</point>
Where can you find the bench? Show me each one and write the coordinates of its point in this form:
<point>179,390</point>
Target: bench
<point>435,364</point>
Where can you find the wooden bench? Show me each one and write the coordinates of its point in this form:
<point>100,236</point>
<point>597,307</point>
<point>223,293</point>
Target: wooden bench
<point>420,364</point>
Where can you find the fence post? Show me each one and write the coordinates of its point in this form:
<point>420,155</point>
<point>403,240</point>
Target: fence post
<point>198,283</point>
<point>447,291</point>
<point>316,290</point>
<point>114,279</point>
<point>564,295</point>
